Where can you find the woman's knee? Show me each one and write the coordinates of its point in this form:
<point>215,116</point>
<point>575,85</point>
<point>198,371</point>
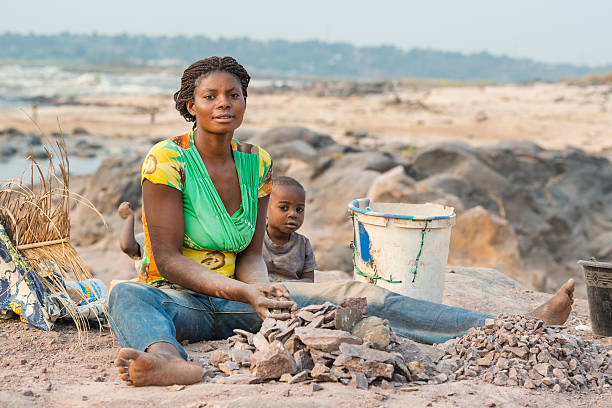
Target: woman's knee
<point>125,294</point>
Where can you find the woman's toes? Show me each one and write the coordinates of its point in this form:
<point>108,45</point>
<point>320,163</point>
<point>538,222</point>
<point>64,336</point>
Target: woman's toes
<point>129,354</point>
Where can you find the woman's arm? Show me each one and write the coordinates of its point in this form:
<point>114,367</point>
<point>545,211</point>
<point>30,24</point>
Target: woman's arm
<point>166,224</point>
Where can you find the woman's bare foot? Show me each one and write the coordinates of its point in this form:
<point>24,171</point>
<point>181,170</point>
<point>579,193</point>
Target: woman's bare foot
<point>141,368</point>
<point>125,210</point>
<point>558,308</point>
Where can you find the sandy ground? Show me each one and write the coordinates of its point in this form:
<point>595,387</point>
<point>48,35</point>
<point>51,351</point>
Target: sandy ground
<point>555,115</point>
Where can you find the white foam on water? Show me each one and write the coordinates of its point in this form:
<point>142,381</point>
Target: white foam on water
<point>21,83</point>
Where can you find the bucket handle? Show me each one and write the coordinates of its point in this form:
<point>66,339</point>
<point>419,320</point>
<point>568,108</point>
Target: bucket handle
<point>355,207</point>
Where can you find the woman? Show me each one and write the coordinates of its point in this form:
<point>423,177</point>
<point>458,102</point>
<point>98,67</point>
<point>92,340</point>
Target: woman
<point>205,198</point>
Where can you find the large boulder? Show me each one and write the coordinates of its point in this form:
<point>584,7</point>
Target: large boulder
<point>461,160</point>
<point>283,134</point>
<point>470,194</point>
<point>294,149</point>
<point>395,186</point>
<point>115,181</point>
<point>481,238</point>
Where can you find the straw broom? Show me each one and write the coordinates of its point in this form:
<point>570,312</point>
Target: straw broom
<point>36,218</point>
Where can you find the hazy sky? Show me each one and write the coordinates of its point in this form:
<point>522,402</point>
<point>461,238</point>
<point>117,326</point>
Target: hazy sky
<point>577,32</point>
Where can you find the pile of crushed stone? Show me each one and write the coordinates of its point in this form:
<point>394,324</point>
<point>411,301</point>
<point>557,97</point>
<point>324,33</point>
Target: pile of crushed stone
<point>523,351</point>
<point>327,343</point>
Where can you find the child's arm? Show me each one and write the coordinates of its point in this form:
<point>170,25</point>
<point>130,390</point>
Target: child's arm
<point>127,242</point>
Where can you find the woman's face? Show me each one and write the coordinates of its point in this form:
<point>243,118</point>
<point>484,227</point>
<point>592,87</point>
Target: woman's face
<point>218,103</point>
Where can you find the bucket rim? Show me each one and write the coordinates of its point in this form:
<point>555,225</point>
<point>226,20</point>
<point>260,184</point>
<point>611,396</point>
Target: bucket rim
<point>353,206</point>
<point>595,264</point>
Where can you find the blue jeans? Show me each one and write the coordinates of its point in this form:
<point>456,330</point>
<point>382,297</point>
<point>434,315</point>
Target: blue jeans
<point>141,315</point>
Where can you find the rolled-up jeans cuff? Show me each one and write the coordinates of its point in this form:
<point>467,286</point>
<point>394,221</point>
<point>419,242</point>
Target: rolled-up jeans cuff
<point>143,345</point>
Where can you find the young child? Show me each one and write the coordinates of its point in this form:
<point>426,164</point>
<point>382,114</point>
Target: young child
<point>288,255</point>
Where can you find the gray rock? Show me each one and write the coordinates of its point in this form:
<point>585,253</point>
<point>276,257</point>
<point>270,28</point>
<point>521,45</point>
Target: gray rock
<point>299,377</point>
<point>242,357</point>
<point>284,134</point>
<point>411,351</point>
<point>366,353</point>
<point>321,372</point>
<point>359,380</point>
<point>273,361</point>
<point>374,330</point>
<point>218,357</point>
<point>359,303</point>
<point>303,360</point>
<point>347,317</point>
<point>325,339</point>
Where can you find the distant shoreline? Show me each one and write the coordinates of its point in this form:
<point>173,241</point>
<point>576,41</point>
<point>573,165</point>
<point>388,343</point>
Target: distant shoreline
<point>281,58</point>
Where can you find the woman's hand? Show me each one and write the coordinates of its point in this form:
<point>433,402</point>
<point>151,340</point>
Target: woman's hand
<point>261,297</point>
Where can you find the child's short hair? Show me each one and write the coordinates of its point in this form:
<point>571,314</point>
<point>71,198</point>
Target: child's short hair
<point>286,181</point>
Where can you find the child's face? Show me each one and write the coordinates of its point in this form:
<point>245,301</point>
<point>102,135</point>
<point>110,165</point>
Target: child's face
<point>286,209</point>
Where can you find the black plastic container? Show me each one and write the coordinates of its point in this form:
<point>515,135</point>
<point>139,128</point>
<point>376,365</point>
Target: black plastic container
<point>598,278</point>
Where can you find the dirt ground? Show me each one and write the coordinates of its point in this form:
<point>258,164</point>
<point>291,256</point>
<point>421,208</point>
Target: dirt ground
<point>55,369</point>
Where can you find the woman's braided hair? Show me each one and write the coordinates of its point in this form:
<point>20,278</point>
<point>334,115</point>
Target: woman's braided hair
<point>201,69</point>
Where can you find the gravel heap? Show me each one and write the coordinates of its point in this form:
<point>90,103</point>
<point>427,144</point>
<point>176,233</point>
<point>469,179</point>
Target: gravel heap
<point>326,343</point>
<point>522,351</point>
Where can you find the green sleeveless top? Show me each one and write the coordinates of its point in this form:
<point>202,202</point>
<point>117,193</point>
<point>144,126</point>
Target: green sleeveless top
<point>212,236</point>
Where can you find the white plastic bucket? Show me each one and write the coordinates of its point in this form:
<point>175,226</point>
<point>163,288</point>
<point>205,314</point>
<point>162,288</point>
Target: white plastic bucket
<point>389,238</point>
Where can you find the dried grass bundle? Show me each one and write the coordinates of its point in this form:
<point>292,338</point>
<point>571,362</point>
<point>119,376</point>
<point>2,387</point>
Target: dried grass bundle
<point>35,214</point>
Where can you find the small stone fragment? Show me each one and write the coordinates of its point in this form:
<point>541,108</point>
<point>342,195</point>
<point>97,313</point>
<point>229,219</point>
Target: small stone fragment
<point>347,318</point>
<point>228,367</point>
<point>325,339</point>
<point>544,369</point>
<point>285,377</point>
<point>260,342</point>
<point>316,387</point>
<point>486,360</point>
<point>273,361</point>
<point>218,357</point>
<point>293,344</point>
<point>317,322</point>
<point>299,377</point>
<point>242,357</point>
<point>241,378</point>
<point>374,330</point>
<point>371,369</point>
<point>359,380</point>
<point>415,367</point>
<point>303,360</point>
<point>366,353</point>
<point>359,303</point>
<point>321,372</point>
